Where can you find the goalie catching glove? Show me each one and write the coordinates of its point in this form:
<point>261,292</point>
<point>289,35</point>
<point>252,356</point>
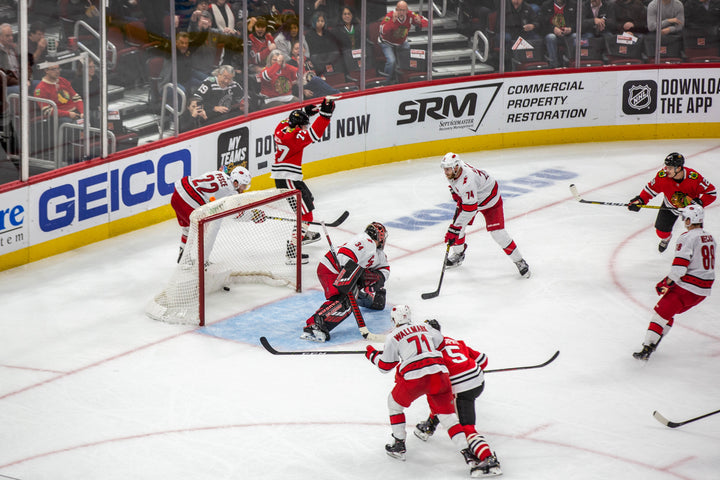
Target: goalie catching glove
<point>452,235</point>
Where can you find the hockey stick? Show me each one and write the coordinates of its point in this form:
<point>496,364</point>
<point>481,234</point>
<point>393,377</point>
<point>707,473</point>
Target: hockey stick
<point>670,424</point>
<point>434,294</point>
<point>574,191</point>
<point>353,302</point>
<point>269,348</point>
<point>335,223</point>
<point>510,369</point>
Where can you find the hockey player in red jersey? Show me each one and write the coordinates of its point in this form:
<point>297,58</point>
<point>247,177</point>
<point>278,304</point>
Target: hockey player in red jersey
<point>680,187</point>
<point>415,353</point>
<point>689,281</point>
<point>193,192</point>
<point>465,366</point>
<point>475,191</point>
<point>361,268</point>
<point>292,135</point>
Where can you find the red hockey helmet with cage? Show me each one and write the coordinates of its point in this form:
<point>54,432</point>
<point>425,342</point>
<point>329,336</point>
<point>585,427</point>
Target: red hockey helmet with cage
<point>377,232</point>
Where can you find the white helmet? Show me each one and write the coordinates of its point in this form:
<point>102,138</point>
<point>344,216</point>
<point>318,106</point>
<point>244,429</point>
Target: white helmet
<point>450,160</point>
<point>400,315</point>
<point>694,212</point>
<point>241,175</point>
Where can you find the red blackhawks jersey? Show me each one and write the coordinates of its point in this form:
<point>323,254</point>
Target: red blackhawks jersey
<point>693,267</point>
<point>290,143</point>
<point>474,190</point>
<point>465,365</point>
<point>63,94</point>
<point>394,31</point>
<point>197,191</point>
<point>362,250</point>
<point>680,194</point>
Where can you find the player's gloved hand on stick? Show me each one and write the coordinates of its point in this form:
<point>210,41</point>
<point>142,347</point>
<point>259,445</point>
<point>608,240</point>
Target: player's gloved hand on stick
<point>371,353</point>
<point>456,198</point>
<point>311,110</point>
<point>451,237</point>
<point>698,201</point>
<point>633,204</point>
<point>258,216</point>
<point>663,285</point>
<point>327,107</point>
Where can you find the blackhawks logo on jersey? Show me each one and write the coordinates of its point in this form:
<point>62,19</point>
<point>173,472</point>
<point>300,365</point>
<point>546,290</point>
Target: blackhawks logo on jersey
<point>680,200</point>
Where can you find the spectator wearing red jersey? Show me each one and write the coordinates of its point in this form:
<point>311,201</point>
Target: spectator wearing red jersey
<point>394,30</point>
<point>261,44</point>
<point>681,186</point>
<point>277,80</point>
<point>59,90</point>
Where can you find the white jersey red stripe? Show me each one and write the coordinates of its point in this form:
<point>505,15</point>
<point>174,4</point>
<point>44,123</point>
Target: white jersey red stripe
<point>694,262</point>
<point>199,190</point>
<point>362,250</point>
<point>477,191</point>
<point>414,349</point>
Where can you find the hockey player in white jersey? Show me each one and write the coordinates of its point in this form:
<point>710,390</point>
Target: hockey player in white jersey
<point>414,352</point>
<point>689,281</point>
<point>475,191</point>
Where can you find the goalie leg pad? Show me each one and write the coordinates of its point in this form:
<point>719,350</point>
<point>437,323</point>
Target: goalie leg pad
<point>333,312</point>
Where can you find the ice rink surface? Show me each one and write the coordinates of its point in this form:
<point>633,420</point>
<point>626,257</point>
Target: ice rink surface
<point>90,388</point>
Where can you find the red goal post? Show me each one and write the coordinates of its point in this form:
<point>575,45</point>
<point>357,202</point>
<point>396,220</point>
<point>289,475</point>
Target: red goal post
<point>247,238</point>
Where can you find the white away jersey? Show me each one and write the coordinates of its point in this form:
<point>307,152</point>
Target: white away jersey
<point>415,349</point>
<point>198,191</point>
<point>362,250</point>
<point>693,267</point>
<point>477,191</point>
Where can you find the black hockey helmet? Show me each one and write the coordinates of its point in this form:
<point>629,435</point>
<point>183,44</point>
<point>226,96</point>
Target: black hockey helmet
<point>433,323</point>
<point>377,232</point>
<point>675,159</point>
<point>298,118</point>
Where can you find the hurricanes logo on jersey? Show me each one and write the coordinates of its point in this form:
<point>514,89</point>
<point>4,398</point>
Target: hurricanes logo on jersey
<point>680,200</point>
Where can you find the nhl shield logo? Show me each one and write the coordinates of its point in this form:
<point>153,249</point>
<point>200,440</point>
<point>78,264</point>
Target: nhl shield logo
<point>639,97</point>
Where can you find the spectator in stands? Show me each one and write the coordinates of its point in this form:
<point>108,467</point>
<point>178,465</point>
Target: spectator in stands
<point>184,10</point>
<point>59,90</point>
<point>37,43</point>
<point>286,7</point>
<point>8,140</point>
<point>186,46</point>
<point>221,95</point>
<point>93,95</point>
<point>9,56</point>
<point>204,46</point>
<point>702,17</point>
<point>598,20</point>
<point>631,17</point>
<point>261,44</point>
<point>277,80</point>
<point>520,21</point>
<point>558,23</point>
<point>223,18</point>
<point>324,46</point>
<point>348,34</point>
<point>672,17</point>
<point>290,32</point>
<point>329,8</point>
<point>202,6</point>
<point>194,115</point>
<point>314,84</point>
<point>394,30</point>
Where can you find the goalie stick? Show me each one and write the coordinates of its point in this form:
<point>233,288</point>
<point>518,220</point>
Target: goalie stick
<point>335,223</point>
<point>426,296</point>
<point>574,191</point>
<point>353,302</point>
<point>658,416</point>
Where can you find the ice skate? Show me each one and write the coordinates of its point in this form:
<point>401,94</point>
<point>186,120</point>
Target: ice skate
<point>424,430</point>
<point>290,255</point>
<point>310,237</point>
<point>470,457</point>
<point>662,246</point>
<point>490,467</point>
<point>523,268</point>
<point>456,259</point>
<point>397,449</point>
<point>644,354</point>
<point>314,333</point>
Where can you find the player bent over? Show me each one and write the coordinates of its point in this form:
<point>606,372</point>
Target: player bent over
<point>291,137</point>
<point>361,268</point>
<point>475,191</point>
<point>689,282</point>
<point>193,192</point>
<point>414,351</point>
<point>680,186</point>
<point>465,367</point>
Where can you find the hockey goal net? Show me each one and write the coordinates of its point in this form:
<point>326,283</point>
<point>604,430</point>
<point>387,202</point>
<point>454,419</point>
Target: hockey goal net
<point>245,238</point>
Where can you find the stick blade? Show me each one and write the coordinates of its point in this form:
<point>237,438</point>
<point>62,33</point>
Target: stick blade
<point>574,191</point>
<point>264,342</point>
<point>429,295</point>
<point>339,220</point>
<point>660,418</point>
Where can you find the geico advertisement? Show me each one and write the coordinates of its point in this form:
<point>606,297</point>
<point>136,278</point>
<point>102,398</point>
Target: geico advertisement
<point>670,96</point>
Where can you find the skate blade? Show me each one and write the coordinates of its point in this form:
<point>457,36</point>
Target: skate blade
<point>398,456</point>
<point>421,435</point>
<point>492,472</point>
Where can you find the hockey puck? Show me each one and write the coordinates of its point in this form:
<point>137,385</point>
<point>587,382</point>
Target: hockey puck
<point>227,289</point>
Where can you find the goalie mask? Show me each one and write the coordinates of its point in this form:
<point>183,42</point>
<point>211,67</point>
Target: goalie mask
<point>377,232</point>
<point>241,175</point>
<point>400,315</point>
<point>694,213</point>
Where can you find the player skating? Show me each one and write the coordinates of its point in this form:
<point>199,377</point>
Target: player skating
<point>680,186</point>
<point>193,192</point>
<point>465,367</point>
<point>414,351</point>
<point>292,135</point>
<point>475,191</point>
<point>689,282</point>
<point>361,267</point>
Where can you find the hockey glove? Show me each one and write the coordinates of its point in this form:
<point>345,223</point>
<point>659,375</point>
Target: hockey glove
<point>697,201</point>
<point>451,237</point>
<point>374,279</point>
<point>634,202</point>
<point>663,286</point>
<point>371,353</point>
<point>258,216</point>
<point>311,110</point>
<point>327,107</point>
<point>455,196</point>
